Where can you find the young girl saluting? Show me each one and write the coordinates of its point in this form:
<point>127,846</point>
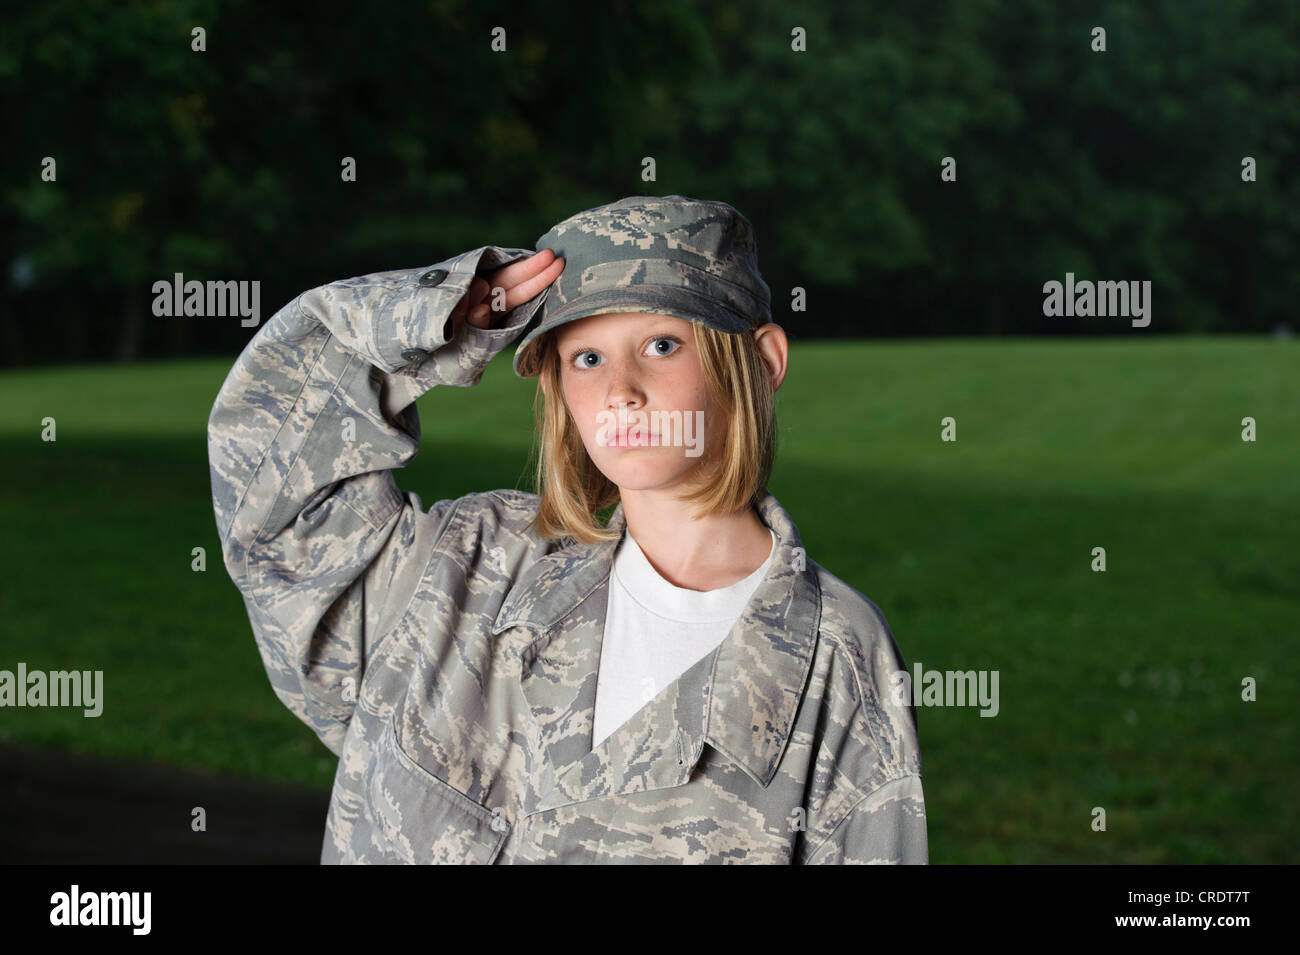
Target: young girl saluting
<point>503,678</point>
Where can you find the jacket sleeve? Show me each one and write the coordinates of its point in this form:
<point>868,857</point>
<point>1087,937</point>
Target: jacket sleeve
<point>886,826</point>
<point>302,441</point>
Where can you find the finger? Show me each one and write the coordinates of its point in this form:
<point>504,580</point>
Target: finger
<point>511,275</point>
<point>525,290</point>
<point>478,289</point>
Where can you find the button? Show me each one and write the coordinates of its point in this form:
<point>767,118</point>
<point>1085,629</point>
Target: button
<point>433,277</point>
<point>415,354</point>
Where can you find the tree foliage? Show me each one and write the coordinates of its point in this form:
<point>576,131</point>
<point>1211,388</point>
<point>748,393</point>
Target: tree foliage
<point>225,163</point>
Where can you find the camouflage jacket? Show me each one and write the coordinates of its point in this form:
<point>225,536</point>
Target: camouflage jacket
<point>448,656</point>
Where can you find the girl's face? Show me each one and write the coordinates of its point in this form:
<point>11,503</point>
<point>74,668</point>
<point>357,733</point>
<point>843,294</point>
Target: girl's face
<point>636,390</point>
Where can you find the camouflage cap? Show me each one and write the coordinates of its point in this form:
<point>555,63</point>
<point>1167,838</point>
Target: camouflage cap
<point>693,259</point>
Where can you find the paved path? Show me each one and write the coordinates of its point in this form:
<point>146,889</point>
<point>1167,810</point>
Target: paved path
<point>57,807</point>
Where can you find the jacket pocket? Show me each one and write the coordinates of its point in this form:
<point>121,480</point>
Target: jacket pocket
<point>418,818</point>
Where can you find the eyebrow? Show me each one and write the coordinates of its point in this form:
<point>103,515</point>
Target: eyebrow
<point>656,329</point>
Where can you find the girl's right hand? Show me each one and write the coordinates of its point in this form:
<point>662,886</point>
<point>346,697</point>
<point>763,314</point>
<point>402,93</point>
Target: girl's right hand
<point>521,281</point>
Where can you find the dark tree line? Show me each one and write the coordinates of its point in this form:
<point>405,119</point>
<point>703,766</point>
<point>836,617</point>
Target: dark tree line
<point>225,164</point>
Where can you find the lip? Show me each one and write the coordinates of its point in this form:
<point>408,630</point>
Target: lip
<point>620,440</point>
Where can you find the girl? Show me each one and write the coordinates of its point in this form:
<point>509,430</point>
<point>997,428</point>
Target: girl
<point>503,678</point>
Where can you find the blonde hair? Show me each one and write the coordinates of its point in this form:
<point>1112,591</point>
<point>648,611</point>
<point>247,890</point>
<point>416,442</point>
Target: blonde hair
<point>571,489</point>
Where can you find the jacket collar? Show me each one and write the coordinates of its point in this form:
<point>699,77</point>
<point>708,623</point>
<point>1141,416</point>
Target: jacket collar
<point>741,698</point>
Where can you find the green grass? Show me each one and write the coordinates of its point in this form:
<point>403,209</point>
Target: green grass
<point>1117,689</point>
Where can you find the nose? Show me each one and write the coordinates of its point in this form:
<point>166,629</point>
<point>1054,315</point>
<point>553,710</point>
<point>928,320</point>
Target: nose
<point>623,388</point>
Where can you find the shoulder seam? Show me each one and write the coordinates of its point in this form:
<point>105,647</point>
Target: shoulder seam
<point>453,516</point>
<point>838,643</point>
<point>853,808</point>
<point>503,491</point>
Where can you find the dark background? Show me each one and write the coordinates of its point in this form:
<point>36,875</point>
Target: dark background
<point>225,164</point>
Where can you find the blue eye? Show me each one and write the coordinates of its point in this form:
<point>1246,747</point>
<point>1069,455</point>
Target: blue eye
<point>651,349</point>
<point>666,338</point>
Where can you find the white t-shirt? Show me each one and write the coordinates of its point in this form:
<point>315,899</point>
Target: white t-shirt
<point>654,631</point>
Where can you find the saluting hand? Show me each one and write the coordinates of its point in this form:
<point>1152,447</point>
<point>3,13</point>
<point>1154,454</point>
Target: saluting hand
<point>521,281</point>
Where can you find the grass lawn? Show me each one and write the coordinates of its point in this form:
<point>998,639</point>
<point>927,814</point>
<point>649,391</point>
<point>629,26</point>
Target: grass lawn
<point>1119,690</point>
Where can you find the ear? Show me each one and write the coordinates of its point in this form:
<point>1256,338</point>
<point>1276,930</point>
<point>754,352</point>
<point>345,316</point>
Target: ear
<point>774,349</point>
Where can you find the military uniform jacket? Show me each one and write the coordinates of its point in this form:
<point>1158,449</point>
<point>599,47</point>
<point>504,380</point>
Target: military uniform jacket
<point>448,656</point>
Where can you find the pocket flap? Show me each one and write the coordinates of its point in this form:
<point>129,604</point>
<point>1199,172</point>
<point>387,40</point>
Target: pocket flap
<point>421,819</point>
